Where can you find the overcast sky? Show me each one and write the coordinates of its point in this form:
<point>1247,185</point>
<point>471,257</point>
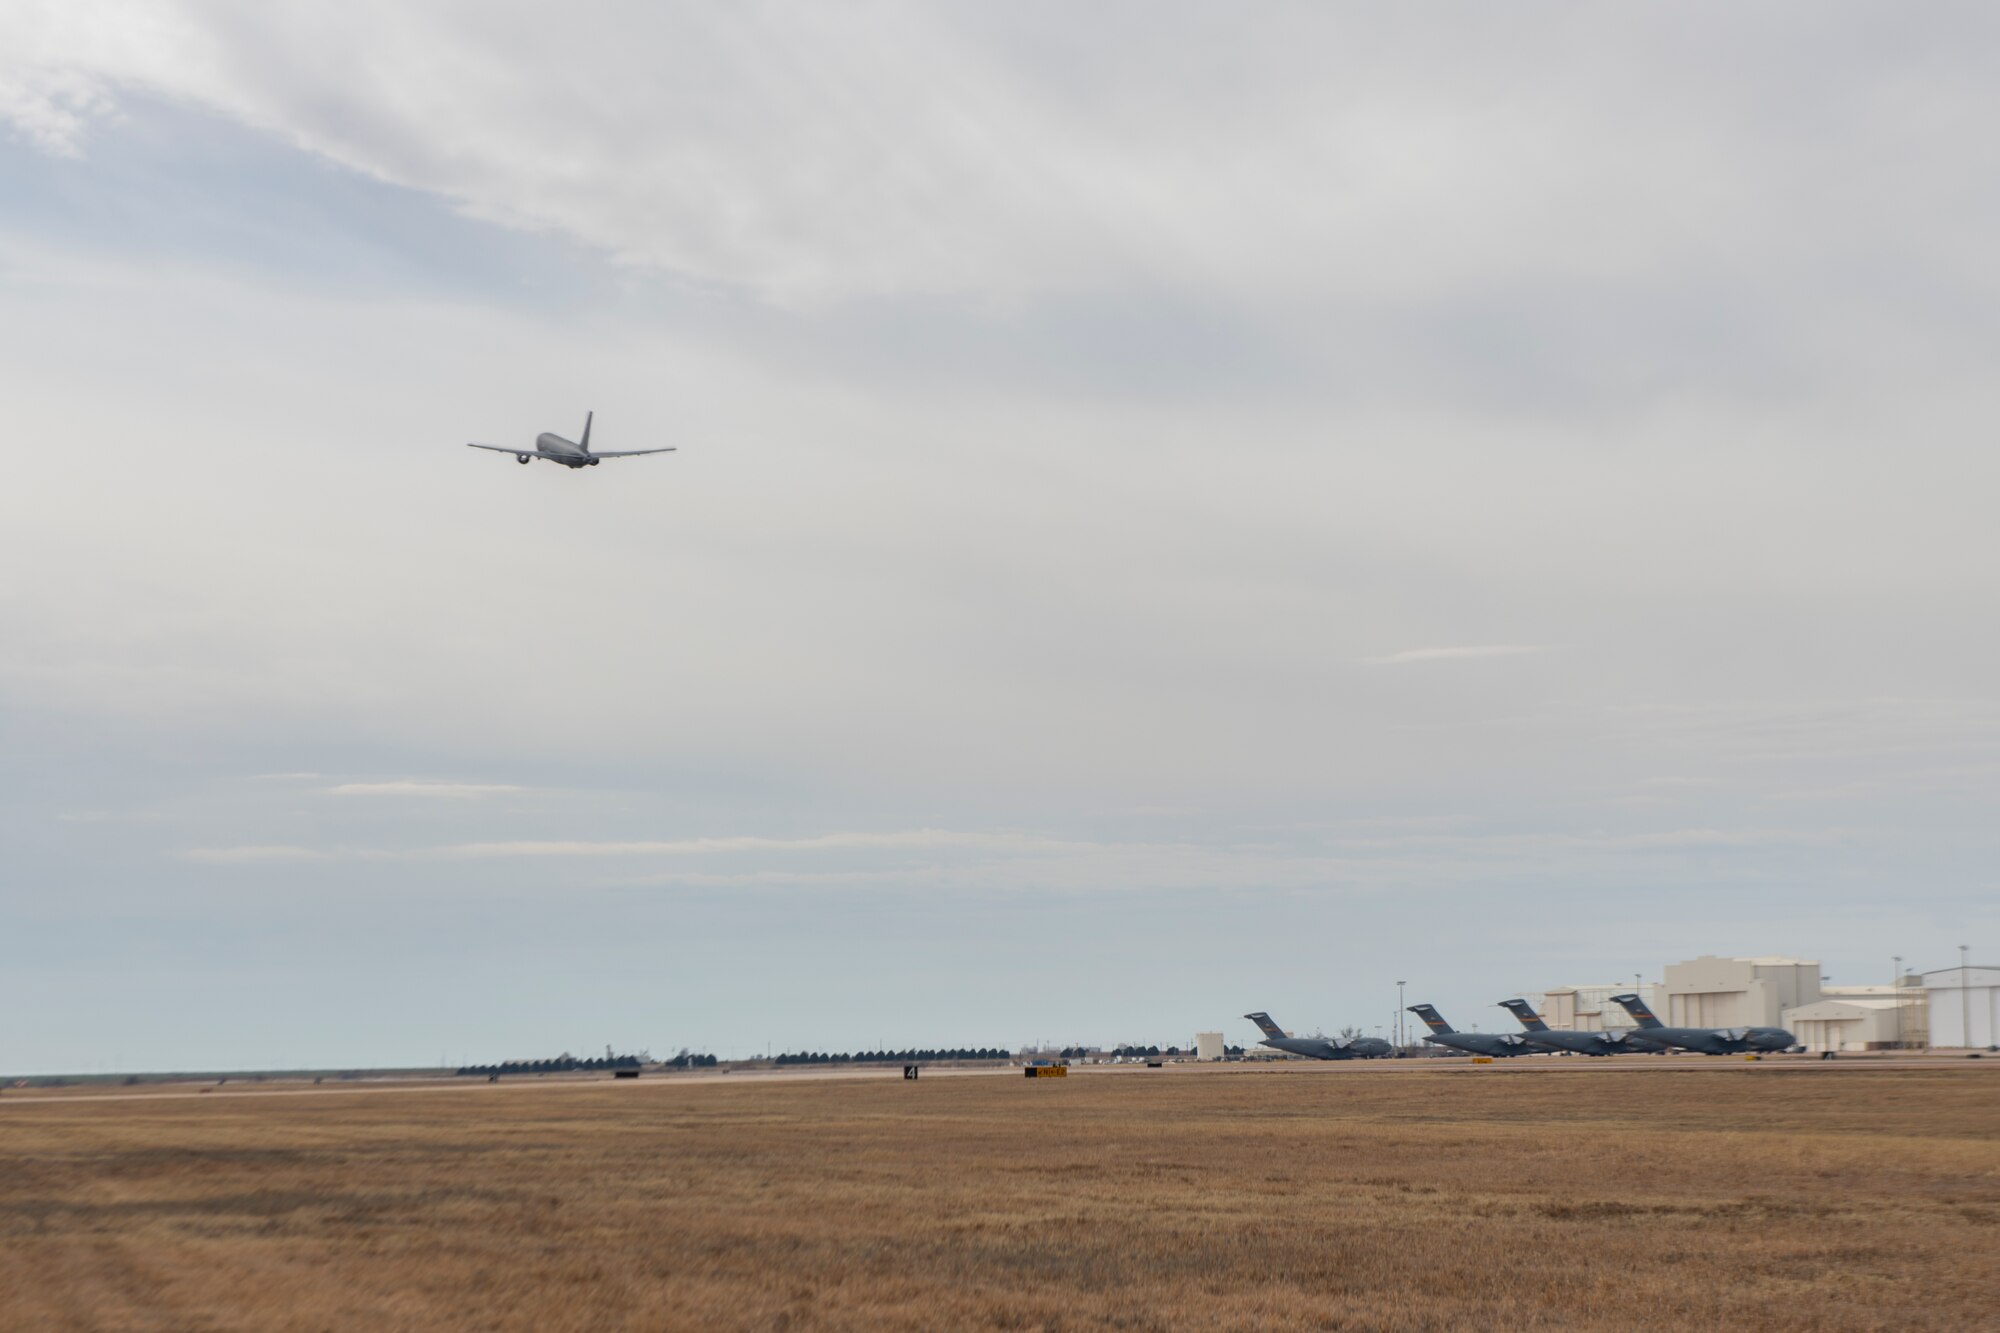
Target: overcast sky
<point>1179,510</point>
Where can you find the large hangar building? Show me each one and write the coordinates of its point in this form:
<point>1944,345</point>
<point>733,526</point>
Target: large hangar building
<point>1589,1008</point>
<point>1848,1022</point>
<point>1704,992</point>
<point>1783,991</point>
<point>1964,1004</point>
<point>1711,992</point>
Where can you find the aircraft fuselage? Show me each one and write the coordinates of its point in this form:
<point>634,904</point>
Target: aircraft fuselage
<point>1482,1043</point>
<point>1583,1043</point>
<point>1716,1041</point>
<point>566,452</point>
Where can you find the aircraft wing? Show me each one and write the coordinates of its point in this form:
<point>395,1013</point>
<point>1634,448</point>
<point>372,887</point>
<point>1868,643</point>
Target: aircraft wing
<point>631,453</point>
<point>526,453</point>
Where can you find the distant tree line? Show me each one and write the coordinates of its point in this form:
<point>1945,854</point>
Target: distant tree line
<point>561,1064</point>
<point>887,1057</point>
<point>1130,1052</point>
<point>687,1061</point>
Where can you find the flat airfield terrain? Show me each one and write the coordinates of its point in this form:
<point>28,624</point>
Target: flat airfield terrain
<point>1417,1195</point>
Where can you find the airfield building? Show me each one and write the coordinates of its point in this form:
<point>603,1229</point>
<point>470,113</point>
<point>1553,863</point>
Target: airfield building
<point>1964,1006</point>
<point>1208,1046</point>
<point>1711,992</point>
<point>1849,1022</point>
<point>1899,1019</point>
<point>1589,1008</point>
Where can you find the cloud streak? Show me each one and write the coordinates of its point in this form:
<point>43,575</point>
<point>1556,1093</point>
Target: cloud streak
<point>915,839</point>
<point>272,854</point>
<point>1018,844</point>
<point>1005,843</point>
<point>448,790</point>
<point>1455,654</point>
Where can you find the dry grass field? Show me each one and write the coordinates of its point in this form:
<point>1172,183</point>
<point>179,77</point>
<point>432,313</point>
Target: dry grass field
<point>1711,1197</point>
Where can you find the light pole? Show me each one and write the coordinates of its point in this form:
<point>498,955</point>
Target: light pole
<point>1896,990</point>
<point>1399,1015</point>
<point>1965,995</point>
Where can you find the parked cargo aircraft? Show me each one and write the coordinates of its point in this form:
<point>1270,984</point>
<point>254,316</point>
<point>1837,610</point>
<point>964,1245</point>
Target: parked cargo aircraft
<point>1478,1043</point>
<point>1709,1041</point>
<point>1583,1043</point>
<point>1318,1048</point>
<point>570,453</point>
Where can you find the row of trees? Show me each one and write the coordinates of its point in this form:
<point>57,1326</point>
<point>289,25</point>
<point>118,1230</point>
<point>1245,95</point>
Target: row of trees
<point>887,1057</point>
<point>687,1061</point>
<point>560,1064</point>
<point>1130,1052</point>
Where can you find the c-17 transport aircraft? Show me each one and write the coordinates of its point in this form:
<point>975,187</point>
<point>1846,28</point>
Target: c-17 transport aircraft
<point>570,453</point>
<point>1709,1041</point>
<point>1583,1043</point>
<point>1318,1048</point>
<point>1478,1043</point>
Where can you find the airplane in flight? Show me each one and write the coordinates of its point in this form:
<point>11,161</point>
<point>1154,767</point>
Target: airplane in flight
<point>1476,1043</point>
<point>570,453</point>
<point>1541,1034</point>
<point>1709,1041</point>
<point>1318,1048</point>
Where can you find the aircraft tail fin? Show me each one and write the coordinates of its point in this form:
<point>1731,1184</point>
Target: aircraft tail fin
<point>584,443</point>
<point>1524,1011</point>
<point>1637,1008</point>
<point>1432,1018</point>
<point>1265,1025</point>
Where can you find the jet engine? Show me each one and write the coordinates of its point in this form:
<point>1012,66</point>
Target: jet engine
<point>521,458</point>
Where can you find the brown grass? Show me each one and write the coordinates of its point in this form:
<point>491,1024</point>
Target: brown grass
<point>1739,1197</point>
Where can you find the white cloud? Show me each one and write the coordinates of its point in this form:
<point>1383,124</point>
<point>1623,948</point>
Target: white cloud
<point>873,150</point>
<point>1448,654</point>
<point>904,840</point>
<point>1001,842</point>
<point>51,109</point>
<point>1114,863</point>
<point>263,854</point>
<point>412,787</point>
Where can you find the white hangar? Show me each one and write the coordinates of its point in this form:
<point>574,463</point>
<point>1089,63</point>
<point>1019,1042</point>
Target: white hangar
<point>1964,1006</point>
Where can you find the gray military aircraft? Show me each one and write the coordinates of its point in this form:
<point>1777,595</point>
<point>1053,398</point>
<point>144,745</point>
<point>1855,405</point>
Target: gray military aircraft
<point>1541,1034</point>
<point>1478,1043</point>
<point>570,453</point>
<point>1318,1048</point>
<point>1709,1041</point>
